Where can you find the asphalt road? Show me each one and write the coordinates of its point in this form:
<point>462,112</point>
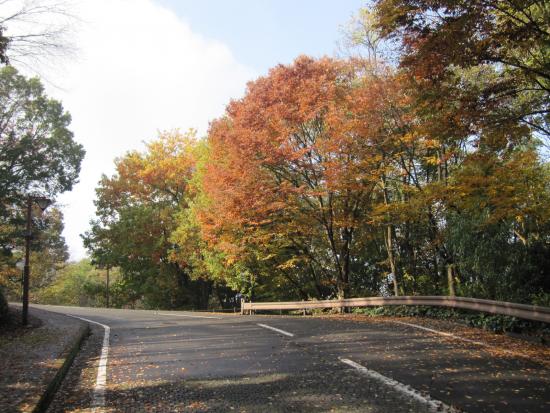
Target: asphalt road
<point>183,361</point>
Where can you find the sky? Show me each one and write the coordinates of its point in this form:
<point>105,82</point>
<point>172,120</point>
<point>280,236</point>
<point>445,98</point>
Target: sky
<point>142,66</point>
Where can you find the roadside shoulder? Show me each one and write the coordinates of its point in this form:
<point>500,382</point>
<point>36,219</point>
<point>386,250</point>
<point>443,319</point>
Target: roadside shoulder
<point>33,362</point>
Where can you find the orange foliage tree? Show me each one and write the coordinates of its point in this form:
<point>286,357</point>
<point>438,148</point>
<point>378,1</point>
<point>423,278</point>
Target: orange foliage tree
<point>294,169</point>
<point>137,211</point>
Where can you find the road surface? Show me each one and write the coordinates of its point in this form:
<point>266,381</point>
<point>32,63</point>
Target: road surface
<point>200,362</point>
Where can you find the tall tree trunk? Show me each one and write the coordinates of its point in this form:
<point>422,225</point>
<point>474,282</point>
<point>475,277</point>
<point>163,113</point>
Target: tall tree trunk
<point>315,278</point>
<point>340,284</point>
<point>388,240</point>
<point>346,256</point>
<point>220,298</point>
<point>450,279</point>
<point>107,289</point>
<point>389,248</point>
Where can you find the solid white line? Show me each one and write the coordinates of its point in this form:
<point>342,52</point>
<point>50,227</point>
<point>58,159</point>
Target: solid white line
<point>190,316</point>
<point>432,404</point>
<point>98,401</point>
<point>286,333</point>
<point>442,333</point>
<point>478,343</point>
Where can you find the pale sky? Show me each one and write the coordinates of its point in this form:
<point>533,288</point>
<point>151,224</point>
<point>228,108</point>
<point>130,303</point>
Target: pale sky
<point>147,65</point>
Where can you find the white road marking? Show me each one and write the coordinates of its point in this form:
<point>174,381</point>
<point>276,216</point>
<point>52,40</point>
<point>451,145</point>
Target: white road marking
<point>286,333</point>
<point>190,316</point>
<point>432,404</point>
<point>98,401</point>
<point>443,333</point>
<point>478,343</point>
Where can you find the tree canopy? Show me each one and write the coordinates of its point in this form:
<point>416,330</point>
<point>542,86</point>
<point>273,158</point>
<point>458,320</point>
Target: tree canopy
<point>138,211</point>
<point>38,156</point>
<point>37,151</point>
<point>416,167</point>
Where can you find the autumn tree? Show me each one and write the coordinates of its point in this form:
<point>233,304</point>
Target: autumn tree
<point>293,170</point>
<point>339,177</point>
<point>328,175</point>
<point>476,77</point>
<point>440,36</point>
<point>138,210</point>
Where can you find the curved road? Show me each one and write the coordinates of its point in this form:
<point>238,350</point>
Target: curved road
<point>200,362</point>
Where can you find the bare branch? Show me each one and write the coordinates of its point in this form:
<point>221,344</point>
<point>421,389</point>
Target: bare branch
<point>37,32</point>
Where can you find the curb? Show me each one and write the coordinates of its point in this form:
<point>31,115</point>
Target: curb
<point>54,384</point>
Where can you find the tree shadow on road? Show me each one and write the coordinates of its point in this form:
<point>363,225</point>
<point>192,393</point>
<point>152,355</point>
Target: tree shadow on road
<point>311,391</point>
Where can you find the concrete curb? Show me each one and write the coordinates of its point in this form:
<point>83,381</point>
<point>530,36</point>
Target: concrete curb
<point>53,386</point>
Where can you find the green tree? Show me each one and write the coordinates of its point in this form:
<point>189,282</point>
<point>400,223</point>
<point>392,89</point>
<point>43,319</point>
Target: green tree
<point>49,252</point>
<point>78,283</point>
<point>37,151</point>
<point>38,155</point>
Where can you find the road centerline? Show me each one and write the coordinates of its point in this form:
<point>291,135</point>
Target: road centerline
<point>286,333</point>
<point>190,316</point>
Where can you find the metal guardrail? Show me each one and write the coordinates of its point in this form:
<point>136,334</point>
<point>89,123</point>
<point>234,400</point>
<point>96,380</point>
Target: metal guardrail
<point>529,312</point>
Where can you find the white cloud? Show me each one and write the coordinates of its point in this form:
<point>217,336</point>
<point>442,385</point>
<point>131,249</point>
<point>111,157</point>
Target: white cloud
<point>139,69</point>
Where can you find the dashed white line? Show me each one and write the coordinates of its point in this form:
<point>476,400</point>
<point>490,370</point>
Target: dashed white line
<point>286,333</point>
<point>190,316</point>
<point>98,401</point>
<point>432,404</point>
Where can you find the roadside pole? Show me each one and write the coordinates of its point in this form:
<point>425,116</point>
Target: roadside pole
<point>43,203</point>
<point>26,269</point>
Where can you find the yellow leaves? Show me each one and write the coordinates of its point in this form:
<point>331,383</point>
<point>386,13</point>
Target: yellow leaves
<point>513,188</point>
<point>290,264</point>
<point>432,160</point>
<point>409,138</point>
<point>163,170</point>
<point>170,159</point>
